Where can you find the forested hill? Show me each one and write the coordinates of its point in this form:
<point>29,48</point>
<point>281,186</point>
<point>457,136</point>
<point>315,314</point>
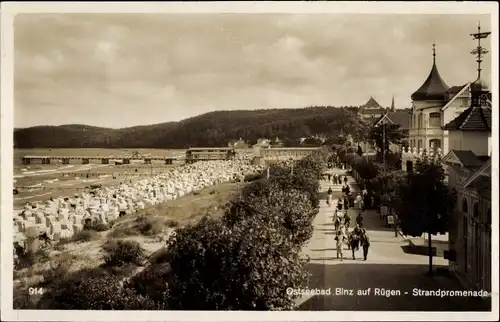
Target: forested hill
<point>210,129</point>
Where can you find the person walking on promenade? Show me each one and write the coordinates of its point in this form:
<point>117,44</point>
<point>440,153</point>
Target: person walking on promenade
<point>345,180</point>
<point>365,243</point>
<point>336,221</point>
<point>347,220</point>
<point>339,246</point>
<point>359,220</point>
<point>339,204</point>
<point>347,202</point>
<point>354,240</point>
<point>329,197</point>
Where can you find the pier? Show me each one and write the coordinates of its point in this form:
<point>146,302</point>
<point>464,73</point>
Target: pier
<point>192,155</point>
<point>30,159</point>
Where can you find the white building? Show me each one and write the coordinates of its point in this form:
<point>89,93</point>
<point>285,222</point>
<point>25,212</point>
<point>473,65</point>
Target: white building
<point>434,104</point>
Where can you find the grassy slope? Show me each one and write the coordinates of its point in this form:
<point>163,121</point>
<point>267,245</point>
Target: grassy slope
<point>164,218</point>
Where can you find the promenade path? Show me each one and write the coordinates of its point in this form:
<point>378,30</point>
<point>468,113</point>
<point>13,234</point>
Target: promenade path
<point>388,268</point>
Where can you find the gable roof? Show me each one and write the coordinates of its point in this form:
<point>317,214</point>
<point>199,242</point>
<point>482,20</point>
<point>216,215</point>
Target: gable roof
<point>433,89</point>
<point>371,105</point>
<point>451,158</point>
<point>475,118</point>
<point>457,91</point>
<point>467,158</point>
<point>385,117</point>
<point>485,168</point>
<point>399,117</point>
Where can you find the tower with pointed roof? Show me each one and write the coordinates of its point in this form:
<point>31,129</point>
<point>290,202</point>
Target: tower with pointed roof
<point>393,108</point>
<point>434,88</point>
<point>427,101</point>
<point>434,104</point>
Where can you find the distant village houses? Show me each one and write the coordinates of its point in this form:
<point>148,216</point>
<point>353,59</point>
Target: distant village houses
<point>267,143</point>
<point>238,144</point>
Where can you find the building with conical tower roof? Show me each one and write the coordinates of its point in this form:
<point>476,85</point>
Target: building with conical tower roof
<point>434,104</point>
<point>469,173</point>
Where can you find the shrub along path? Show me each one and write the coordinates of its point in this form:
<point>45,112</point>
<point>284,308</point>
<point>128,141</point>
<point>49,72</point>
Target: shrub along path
<point>387,267</point>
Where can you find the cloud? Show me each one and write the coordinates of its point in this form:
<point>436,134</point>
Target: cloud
<point>127,69</point>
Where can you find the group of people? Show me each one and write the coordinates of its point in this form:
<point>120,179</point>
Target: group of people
<point>354,239</point>
<point>337,179</point>
<point>357,237</point>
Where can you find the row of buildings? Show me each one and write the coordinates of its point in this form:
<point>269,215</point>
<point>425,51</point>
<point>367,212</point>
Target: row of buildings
<point>455,121</point>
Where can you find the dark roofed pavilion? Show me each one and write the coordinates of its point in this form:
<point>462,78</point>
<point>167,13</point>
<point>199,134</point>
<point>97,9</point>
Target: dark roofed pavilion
<point>434,88</point>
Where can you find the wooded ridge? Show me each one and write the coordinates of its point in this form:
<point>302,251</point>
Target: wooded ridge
<point>216,128</point>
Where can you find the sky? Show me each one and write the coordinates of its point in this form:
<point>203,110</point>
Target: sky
<point>120,70</point>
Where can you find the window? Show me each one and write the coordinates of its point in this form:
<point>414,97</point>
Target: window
<point>420,121</point>
<point>435,144</point>
<point>435,119</point>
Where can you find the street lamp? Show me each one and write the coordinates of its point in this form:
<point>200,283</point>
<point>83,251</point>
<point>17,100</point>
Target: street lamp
<point>383,146</point>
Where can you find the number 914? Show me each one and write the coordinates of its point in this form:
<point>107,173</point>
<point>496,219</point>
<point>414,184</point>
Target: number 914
<point>35,291</point>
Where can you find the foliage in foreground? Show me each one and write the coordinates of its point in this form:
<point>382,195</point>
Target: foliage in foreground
<point>123,252</point>
<point>247,266</point>
<point>93,289</point>
<point>245,260</point>
<point>292,218</point>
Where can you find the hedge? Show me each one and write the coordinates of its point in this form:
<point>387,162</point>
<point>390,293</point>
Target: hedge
<point>244,260</point>
<point>93,289</point>
<point>245,266</point>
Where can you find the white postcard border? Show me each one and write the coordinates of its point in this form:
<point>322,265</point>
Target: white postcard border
<point>9,10</point>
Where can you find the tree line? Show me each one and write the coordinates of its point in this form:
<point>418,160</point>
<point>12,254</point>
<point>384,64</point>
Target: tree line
<point>216,128</point>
